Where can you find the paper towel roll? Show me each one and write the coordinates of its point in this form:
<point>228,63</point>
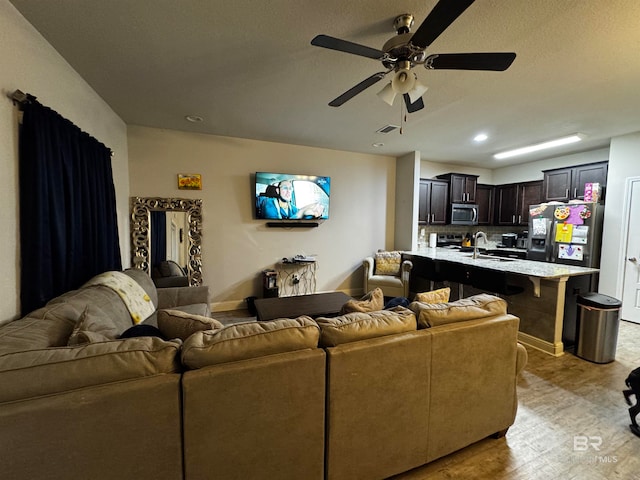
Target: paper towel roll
<point>433,240</point>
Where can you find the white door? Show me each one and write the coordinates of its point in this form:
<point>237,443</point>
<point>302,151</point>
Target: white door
<point>631,283</point>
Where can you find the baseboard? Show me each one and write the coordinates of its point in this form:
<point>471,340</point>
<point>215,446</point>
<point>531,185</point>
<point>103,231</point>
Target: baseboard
<point>556,349</point>
<point>228,306</point>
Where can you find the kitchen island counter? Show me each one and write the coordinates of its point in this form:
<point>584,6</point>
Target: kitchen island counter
<point>542,294</point>
<point>529,268</point>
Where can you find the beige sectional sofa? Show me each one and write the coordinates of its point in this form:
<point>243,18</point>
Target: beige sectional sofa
<point>359,396</point>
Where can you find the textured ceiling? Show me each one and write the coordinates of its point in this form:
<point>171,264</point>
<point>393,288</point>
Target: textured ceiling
<point>249,70</point>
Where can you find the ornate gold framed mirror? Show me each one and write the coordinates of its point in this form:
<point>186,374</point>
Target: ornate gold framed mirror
<point>190,235</point>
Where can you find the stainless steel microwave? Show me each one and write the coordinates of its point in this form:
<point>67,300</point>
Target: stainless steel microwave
<point>464,214</point>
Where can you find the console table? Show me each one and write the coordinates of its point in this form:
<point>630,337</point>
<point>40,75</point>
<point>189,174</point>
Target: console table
<point>296,278</point>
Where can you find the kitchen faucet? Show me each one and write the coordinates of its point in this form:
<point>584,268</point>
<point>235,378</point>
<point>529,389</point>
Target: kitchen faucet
<point>479,235</point>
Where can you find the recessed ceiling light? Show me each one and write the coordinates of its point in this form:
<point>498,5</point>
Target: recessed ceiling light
<point>194,118</point>
<point>481,137</point>
<point>540,146</point>
<point>378,145</point>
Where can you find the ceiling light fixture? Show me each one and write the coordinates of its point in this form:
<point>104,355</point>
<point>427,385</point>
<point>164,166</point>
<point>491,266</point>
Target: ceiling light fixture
<point>403,81</point>
<point>377,145</point>
<point>540,146</point>
<point>481,137</point>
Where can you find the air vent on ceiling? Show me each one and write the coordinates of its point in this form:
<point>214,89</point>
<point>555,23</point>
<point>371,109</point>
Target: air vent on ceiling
<point>387,129</point>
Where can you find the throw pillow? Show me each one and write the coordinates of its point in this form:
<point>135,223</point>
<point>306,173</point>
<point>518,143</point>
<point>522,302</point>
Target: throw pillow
<point>371,302</point>
<point>179,324</point>
<point>387,263</point>
<point>434,296</point>
<point>81,337</point>
<point>90,329</point>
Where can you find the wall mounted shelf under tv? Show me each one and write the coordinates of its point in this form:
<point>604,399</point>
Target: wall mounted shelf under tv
<point>282,224</point>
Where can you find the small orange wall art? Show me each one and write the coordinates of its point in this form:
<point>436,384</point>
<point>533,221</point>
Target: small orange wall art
<point>189,181</point>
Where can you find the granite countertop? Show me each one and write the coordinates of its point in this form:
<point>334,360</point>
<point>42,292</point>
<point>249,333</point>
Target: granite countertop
<point>508,265</point>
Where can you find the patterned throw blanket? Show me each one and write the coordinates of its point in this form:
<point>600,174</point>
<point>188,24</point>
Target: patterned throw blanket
<point>132,294</point>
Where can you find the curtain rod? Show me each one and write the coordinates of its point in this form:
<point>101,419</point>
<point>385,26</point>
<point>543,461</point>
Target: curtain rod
<point>22,98</point>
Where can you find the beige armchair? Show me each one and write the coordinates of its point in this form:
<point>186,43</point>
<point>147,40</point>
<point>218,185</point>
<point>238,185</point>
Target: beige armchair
<point>387,271</point>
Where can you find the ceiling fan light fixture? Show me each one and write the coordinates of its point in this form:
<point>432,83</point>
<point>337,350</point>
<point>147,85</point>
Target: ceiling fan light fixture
<point>403,81</point>
<point>387,94</point>
<point>417,91</point>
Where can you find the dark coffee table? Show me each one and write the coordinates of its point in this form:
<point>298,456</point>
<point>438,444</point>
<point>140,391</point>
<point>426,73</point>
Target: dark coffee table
<point>314,305</point>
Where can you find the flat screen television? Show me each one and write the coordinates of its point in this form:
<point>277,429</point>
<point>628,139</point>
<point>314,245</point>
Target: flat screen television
<point>284,196</point>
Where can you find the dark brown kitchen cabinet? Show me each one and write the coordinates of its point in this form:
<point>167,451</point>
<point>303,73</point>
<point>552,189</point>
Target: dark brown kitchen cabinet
<point>462,188</point>
<point>513,200</point>
<point>433,202</point>
<point>484,199</point>
<point>529,193</point>
<point>564,184</point>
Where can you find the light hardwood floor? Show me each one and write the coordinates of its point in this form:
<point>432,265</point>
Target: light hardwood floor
<point>567,407</point>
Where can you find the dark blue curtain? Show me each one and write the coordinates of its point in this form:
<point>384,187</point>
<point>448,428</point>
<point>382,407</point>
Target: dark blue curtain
<point>158,237</point>
<point>68,222</point>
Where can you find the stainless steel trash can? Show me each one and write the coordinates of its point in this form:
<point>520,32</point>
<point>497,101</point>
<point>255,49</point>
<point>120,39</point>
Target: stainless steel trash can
<point>597,327</point>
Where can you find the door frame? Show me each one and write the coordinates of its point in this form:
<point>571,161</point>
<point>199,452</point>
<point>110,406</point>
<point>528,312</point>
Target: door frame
<point>626,218</point>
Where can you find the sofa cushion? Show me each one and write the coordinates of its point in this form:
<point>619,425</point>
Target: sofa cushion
<point>83,333</point>
<point>472,308</point>
<point>138,302</point>
<point>42,328</point>
<point>179,324</point>
<point>144,280</point>
<point>249,340</point>
<point>201,309</point>
<point>170,268</point>
<point>440,295</point>
<point>47,371</point>
<point>360,326</point>
<point>108,313</point>
<point>387,263</point>
<point>85,336</point>
<point>371,302</point>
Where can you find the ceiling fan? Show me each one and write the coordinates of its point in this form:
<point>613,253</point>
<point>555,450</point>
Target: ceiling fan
<point>406,50</point>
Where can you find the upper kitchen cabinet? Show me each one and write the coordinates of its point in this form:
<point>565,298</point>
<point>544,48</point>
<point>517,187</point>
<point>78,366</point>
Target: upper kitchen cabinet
<point>462,188</point>
<point>484,198</point>
<point>564,184</point>
<point>513,200</point>
<point>433,202</point>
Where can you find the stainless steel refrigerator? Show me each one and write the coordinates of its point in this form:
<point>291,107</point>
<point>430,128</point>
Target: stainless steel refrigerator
<point>568,233</point>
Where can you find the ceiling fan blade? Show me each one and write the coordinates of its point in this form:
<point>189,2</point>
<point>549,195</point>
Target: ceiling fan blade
<point>415,106</point>
<point>498,62</point>
<point>346,46</point>
<point>353,91</point>
<point>443,14</point>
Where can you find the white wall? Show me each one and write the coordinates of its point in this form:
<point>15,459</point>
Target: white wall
<point>407,201</point>
<point>236,247</point>
<point>624,162</point>
<point>30,64</point>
